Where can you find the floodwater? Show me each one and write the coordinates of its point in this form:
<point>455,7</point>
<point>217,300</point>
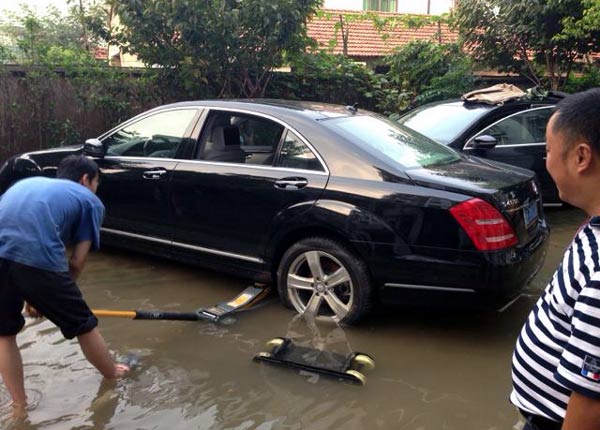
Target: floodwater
<point>434,371</point>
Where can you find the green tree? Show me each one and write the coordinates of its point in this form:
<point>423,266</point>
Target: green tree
<point>426,71</point>
<point>234,44</point>
<point>585,26</point>
<point>523,36</point>
<point>35,38</point>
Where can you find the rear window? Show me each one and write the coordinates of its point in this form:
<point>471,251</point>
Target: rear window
<point>443,123</point>
<point>388,139</point>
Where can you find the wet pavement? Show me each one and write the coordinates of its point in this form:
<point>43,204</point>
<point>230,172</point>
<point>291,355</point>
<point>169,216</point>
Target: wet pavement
<point>434,371</point>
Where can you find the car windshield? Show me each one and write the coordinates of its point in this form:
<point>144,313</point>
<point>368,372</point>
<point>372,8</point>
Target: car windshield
<point>443,123</point>
<point>388,139</point>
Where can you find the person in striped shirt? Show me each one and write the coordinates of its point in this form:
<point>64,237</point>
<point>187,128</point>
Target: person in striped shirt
<point>556,361</point>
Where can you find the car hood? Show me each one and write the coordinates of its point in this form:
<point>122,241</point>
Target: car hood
<point>471,175</point>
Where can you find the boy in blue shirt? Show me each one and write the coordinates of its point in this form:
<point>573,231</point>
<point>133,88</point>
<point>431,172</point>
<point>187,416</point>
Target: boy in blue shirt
<point>39,217</point>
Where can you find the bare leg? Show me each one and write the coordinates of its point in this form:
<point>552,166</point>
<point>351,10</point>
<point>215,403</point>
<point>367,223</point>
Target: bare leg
<point>95,350</point>
<point>11,369</point>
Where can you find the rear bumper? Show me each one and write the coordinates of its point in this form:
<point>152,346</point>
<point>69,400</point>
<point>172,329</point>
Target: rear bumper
<point>415,275</point>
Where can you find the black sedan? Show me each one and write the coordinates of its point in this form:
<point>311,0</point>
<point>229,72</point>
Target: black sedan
<point>513,132</point>
<point>341,208</point>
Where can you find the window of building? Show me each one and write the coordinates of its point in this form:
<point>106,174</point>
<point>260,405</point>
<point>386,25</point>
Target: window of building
<point>380,5</point>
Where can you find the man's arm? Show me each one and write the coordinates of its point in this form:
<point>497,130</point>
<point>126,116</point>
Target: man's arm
<point>583,413</point>
<point>78,256</point>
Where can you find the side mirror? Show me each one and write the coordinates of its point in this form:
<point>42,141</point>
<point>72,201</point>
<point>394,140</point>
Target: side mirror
<point>484,141</point>
<point>94,148</point>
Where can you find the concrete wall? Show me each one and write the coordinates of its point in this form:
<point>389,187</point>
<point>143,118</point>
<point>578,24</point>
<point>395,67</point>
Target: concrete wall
<point>436,7</point>
<point>343,4</point>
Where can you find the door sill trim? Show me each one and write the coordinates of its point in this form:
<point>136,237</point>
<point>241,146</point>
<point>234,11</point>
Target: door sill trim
<point>183,245</point>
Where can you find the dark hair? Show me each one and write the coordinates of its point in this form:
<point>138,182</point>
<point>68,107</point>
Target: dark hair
<point>74,167</point>
<point>578,117</point>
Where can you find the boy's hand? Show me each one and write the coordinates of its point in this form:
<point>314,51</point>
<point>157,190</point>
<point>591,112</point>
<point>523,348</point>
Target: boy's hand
<point>121,370</point>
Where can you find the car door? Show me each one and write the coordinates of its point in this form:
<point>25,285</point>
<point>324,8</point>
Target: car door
<point>136,171</point>
<point>227,200</point>
<point>520,140</point>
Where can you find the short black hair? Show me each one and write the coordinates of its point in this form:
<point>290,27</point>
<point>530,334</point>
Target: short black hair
<point>74,167</point>
<point>577,116</point>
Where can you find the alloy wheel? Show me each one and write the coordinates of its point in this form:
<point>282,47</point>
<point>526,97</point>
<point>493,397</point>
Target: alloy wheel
<point>318,283</point>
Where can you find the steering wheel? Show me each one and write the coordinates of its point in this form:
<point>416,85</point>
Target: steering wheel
<point>156,140</point>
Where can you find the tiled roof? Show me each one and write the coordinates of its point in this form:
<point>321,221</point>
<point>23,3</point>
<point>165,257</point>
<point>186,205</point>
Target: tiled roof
<point>364,39</point>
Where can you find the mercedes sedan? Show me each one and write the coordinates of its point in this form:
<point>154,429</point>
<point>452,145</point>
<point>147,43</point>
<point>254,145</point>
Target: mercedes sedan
<point>341,208</point>
<point>513,132</point>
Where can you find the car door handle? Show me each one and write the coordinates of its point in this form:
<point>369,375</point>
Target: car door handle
<point>154,174</point>
<point>291,183</point>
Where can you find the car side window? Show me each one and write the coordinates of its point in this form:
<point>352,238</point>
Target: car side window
<point>233,137</point>
<point>524,127</point>
<point>296,155</point>
<point>157,135</point>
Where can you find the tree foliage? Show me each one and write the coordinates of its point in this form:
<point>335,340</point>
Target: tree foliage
<point>235,43</point>
<point>526,36</point>
<point>427,71</point>
<point>585,26</point>
<point>37,38</point>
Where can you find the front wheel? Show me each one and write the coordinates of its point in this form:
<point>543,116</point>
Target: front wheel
<point>325,278</point>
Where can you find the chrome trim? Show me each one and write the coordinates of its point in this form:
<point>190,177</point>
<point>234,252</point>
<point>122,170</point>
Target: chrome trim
<point>182,245</point>
<point>216,163</point>
<point>429,288</point>
<point>136,236</point>
<point>135,158</point>
<point>216,252</point>
<point>142,116</point>
<point>255,166</point>
<point>520,145</point>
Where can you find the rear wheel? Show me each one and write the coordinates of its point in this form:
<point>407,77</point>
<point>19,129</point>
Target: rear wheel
<point>325,278</point>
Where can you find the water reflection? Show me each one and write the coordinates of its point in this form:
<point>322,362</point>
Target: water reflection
<point>434,370</point>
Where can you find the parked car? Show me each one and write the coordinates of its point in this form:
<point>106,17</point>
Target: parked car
<point>341,208</point>
<point>513,132</point>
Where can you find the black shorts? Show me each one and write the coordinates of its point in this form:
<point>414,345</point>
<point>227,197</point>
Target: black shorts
<point>54,294</point>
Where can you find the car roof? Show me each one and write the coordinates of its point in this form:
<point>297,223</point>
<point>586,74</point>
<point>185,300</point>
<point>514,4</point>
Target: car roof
<point>307,109</point>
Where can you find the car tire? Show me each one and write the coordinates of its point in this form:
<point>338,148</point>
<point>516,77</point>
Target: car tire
<point>324,277</point>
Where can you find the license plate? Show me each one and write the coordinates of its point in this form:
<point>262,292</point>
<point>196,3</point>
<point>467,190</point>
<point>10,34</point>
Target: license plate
<point>530,213</point>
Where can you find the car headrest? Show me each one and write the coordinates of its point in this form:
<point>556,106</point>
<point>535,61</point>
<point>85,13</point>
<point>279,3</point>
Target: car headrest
<point>225,138</point>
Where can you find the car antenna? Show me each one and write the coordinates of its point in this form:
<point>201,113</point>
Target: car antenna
<point>352,108</point>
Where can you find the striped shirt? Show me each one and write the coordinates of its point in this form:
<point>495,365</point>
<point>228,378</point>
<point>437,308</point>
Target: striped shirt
<point>558,350</point>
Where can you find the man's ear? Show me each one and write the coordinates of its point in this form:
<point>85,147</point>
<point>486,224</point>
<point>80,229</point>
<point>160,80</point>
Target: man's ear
<point>85,179</point>
<point>583,154</point>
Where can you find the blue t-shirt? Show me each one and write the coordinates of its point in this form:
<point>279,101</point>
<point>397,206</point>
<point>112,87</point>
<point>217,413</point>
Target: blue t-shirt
<point>40,216</point>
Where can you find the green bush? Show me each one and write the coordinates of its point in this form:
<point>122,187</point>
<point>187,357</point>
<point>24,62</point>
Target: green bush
<point>589,79</point>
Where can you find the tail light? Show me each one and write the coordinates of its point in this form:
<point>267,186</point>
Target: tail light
<point>486,227</point>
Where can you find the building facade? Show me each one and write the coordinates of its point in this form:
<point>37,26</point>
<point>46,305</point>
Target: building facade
<point>425,7</point>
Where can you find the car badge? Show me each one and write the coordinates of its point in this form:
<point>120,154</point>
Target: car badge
<point>512,200</point>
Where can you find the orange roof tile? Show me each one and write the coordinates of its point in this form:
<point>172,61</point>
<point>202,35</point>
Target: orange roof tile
<point>364,39</point>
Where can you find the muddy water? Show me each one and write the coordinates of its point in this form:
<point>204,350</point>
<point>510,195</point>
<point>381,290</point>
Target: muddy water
<point>449,371</point>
